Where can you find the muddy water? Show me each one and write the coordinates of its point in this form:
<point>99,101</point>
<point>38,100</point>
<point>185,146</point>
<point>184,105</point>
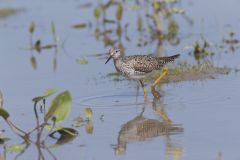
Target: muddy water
<point>192,120</point>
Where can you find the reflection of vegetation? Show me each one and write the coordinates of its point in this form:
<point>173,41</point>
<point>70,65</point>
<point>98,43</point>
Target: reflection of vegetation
<point>1,100</point>
<point>82,61</point>
<point>47,125</point>
<point>5,12</point>
<point>79,25</point>
<point>220,156</point>
<point>231,41</point>
<point>39,47</point>
<point>201,51</point>
<point>79,121</point>
<point>150,20</point>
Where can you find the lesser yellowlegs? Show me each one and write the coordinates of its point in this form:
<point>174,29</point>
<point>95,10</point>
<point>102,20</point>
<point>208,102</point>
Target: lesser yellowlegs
<point>138,67</point>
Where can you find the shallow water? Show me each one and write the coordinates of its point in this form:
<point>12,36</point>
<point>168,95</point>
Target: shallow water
<point>204,112</point>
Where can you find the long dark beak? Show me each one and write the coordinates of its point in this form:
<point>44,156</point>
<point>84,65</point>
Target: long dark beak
<point>108,59</point>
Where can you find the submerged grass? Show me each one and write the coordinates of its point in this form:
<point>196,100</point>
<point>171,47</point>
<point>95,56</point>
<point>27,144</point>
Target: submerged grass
<point>192,73</point>
<point>184,72</point>
<point>5,12</point>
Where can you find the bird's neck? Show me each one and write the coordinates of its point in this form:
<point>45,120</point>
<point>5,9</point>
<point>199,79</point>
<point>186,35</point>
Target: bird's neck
<point>117,60</point>
<point>117,63</point>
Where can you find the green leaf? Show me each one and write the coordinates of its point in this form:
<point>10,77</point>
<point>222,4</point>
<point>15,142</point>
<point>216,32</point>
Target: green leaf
<point>62,130</point>
<point>169,1</point>
<point>3,139</point>
<point>53,28</point>
<point>119,31</point>
<point>31,27</point>
<point>1,100</point>
<point>34,62</point>
<point>37,46</point>
<point>60,108</point>
<point>89,127</point>
<point>88,113</point>
<point>82,61</point>
<point>46,94</point>
<point>78,122</point>
<point>134,8</point>
<point>156,5</point>
<point>66,135</point>
<point>15,148</point>
<point>173,27</point>
<point>5,12</point>
<point>139,23</point>
<point>80,25</point>
<point>55,63</point>
<point>68,131</point>
<point>119,11</point>
<point>97,12</point>
<point>49,92</point>
<point>4,114</point>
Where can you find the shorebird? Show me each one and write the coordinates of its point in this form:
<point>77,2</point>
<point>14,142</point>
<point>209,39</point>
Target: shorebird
<point>138,67</point>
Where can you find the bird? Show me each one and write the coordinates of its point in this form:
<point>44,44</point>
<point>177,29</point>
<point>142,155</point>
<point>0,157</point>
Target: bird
<point>138,67</point>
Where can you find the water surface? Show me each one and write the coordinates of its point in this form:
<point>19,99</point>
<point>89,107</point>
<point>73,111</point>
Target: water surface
<point>204,113</point>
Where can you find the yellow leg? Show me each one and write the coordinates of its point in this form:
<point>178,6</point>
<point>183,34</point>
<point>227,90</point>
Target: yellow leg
<point>164,73</point>
<point>162,113</point>
<point>155,93</point>
<point>144,90</point>
<point>165,117</point>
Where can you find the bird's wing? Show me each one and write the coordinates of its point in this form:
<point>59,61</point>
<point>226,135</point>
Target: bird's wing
<point>142,63</point>
<point>164,60</point>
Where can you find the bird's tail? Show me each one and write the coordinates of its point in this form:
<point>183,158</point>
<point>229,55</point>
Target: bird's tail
<point>164,60</point>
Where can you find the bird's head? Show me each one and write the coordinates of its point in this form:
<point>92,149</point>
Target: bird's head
<point>114,53</point>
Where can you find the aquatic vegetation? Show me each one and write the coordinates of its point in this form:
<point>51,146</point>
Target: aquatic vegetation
<point>151,15</point>
<point>78,121</point>
<point>87,122</point>
<point>82,61</point>
<point>3,138</point>
<point>185,72</point>
<point>15,148</point>
<point>47,123</point>
<point>88,113</point>
<point>79,25</point>
<point>1,100</point>
<point>231,41</point>
<point>201,51</point>
<point>6,12</point>
<point>159,27</point>
<point>36,45</point>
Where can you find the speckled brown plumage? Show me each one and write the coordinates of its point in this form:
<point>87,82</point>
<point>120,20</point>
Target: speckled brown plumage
<point>138,66</point>
<point>148,63</point>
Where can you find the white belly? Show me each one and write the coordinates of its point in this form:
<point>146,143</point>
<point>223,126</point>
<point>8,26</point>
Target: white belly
<point>128,71</point>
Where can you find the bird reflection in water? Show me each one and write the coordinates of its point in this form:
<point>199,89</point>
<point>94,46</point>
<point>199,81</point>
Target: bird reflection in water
<point>141,128</point>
